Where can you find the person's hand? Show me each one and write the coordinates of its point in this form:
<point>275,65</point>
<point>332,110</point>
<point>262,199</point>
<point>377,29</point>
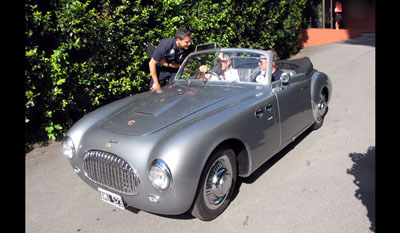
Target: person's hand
<point>155,87</point>
<point>203,69</point>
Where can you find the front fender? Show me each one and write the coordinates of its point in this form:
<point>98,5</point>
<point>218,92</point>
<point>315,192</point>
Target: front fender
<point>187,147</point>
<point>77,131</point>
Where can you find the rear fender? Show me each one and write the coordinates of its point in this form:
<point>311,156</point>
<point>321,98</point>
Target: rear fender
<point>320,83</point>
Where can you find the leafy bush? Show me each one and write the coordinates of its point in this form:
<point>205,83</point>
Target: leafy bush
<point>80,55</point>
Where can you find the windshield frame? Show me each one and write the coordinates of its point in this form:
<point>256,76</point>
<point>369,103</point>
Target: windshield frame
<point>268,54</point>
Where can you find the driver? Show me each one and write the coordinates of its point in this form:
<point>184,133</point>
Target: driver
<point>223,70</point>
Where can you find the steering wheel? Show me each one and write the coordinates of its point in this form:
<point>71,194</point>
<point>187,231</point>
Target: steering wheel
<point>212,73</point>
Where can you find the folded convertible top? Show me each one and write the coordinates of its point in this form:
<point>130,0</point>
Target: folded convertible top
<point>300,65</point>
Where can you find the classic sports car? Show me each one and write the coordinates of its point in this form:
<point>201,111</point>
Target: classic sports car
<point>182,148</point>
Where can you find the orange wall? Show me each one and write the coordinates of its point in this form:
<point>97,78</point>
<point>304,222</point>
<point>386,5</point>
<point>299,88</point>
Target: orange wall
<point>318,36</point>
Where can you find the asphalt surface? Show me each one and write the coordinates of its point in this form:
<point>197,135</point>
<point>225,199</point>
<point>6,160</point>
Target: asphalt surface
<point>323,182</point>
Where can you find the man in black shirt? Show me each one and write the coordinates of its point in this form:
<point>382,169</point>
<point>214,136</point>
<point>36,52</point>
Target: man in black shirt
<point>276,73</point>
<point>170,54</point>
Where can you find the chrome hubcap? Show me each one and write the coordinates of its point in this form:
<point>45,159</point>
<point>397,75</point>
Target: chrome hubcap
<point>321,108</point>
<point>218,182</point>
<point>221,182</point>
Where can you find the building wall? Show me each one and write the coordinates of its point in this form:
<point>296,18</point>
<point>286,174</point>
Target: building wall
<point>319,36</point>
<point>359,14</point>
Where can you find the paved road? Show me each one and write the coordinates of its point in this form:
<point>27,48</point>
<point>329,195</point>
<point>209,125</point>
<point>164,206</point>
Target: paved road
<point>323,182</point>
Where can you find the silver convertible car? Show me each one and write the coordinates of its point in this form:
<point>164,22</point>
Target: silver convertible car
<point>181,148</point>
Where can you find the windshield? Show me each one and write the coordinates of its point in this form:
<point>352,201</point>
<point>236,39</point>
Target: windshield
<point>230,66</point>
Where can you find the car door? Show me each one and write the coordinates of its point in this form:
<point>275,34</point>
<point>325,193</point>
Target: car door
<point>263,129</point>
<point>294,99</point>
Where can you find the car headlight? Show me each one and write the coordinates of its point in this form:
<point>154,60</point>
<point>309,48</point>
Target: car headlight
<point>160,175</point>
<point>68,147</point>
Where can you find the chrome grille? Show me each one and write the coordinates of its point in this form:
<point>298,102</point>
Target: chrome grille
<point>111,171</point>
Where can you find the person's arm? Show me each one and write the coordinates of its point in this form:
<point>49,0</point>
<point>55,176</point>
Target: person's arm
<point>173,65</point>
<point>158,58</point>
<point>153,72</point>
<point>164,62</point>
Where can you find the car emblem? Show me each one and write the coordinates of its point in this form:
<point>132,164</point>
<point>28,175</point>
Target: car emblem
<point>131,122</point>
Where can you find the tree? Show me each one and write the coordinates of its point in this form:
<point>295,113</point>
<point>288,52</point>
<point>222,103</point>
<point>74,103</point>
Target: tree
<point>80,55</point>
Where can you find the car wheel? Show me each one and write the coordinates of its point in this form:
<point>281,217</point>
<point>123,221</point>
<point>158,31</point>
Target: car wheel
<point>322,108</point>
<point>216,185</point>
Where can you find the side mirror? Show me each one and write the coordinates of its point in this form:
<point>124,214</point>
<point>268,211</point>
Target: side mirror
<point>285,77</point>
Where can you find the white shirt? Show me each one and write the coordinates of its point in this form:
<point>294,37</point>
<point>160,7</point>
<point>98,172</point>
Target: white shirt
<point>230,75</point>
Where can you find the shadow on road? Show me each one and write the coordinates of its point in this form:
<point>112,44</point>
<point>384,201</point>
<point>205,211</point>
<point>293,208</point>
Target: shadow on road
<point>363,171</point>
<point>367,39</point>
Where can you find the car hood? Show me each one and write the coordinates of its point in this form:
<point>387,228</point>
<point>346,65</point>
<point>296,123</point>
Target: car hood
<point>153,111</point>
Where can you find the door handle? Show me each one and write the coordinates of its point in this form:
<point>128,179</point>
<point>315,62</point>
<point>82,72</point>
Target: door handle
<point>259,113</point>
<point>268,108</point>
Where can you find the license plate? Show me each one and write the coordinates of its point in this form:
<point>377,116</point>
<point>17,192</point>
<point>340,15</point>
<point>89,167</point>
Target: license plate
<point>111,198</point>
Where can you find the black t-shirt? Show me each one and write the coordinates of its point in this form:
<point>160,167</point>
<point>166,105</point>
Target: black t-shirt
<point>167,48</point>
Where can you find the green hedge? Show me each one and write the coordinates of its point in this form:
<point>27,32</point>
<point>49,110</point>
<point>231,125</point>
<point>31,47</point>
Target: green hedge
<point>80,55</point>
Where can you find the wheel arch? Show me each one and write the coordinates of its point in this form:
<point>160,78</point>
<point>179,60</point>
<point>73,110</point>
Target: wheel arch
<point>197,208</point>
<point>320,83</point>
<point>325,91</point>
<point>242,155</point>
